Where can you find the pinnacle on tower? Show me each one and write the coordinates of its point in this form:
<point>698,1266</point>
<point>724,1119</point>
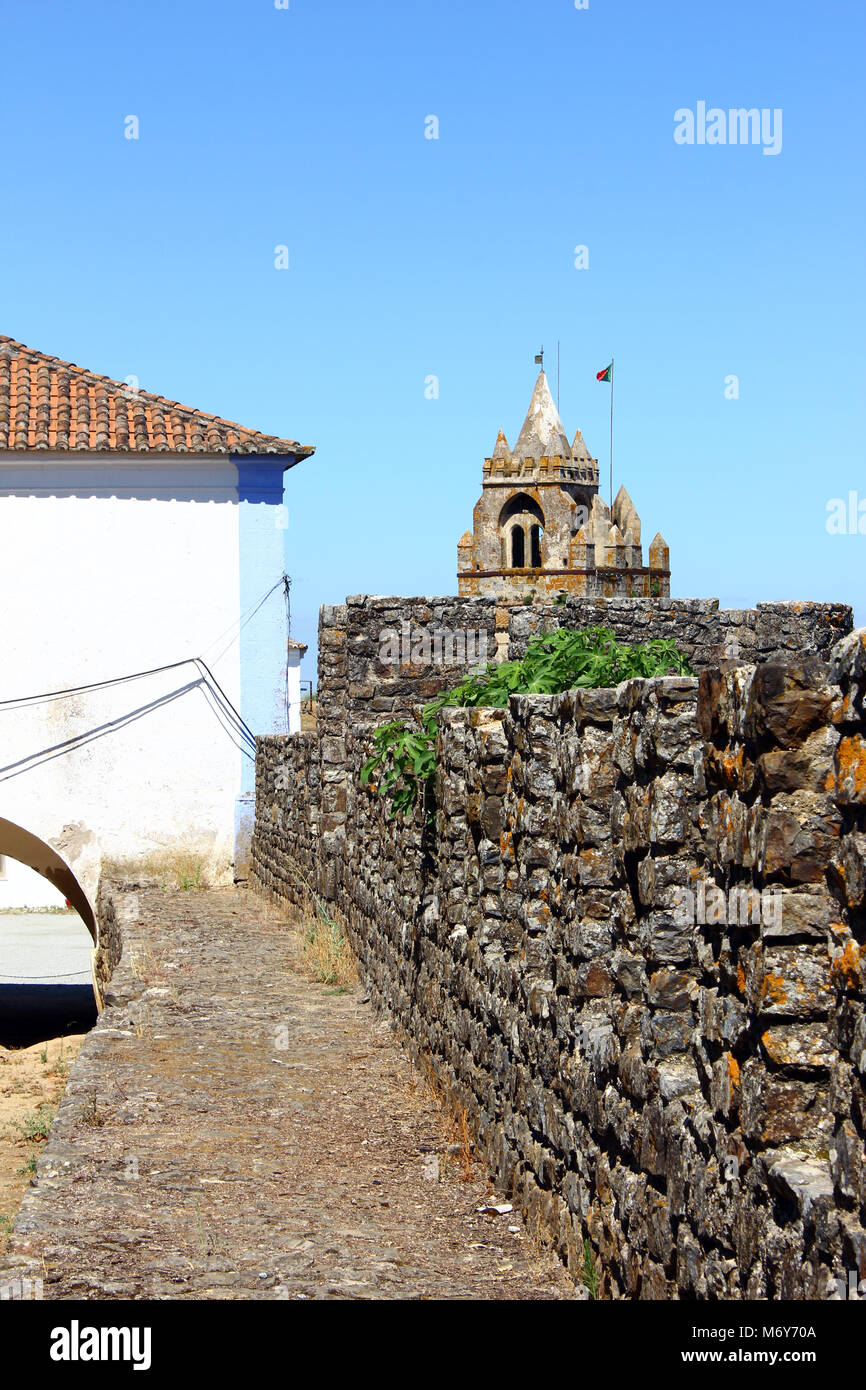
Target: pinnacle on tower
<point>659,554</point>
<point>500,448</point>
<point>625,514</point>
<point>579,451</point>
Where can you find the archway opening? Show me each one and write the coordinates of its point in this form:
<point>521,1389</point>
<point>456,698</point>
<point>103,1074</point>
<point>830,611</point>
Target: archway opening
<point>47,937</point>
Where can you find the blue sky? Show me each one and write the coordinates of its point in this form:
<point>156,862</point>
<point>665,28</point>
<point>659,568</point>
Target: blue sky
<point>454,257</point>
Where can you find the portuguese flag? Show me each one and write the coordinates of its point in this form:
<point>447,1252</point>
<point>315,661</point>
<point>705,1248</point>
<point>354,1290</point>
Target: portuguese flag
<point>606,375</point>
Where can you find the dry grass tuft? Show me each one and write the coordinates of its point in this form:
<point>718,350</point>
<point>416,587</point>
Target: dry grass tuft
<point>169,869</point>
<point>326,955</point>
<point>459,1157</point>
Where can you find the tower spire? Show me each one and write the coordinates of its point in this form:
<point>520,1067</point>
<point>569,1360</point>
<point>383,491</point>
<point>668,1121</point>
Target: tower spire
<point>542,434</point>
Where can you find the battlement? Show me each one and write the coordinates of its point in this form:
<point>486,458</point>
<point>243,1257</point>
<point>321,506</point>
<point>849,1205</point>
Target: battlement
<point>559,466</point>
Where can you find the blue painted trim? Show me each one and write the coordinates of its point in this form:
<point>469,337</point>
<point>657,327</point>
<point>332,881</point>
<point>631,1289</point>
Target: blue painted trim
<point>262,641</point>
<point>260,480</point>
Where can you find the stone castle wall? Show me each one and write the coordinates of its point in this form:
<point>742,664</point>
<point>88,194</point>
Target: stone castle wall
<point>631,944</point>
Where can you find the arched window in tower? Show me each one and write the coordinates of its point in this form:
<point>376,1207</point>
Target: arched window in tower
<point>535,547</point>
<point>518,546</point>
<point>520,516</point>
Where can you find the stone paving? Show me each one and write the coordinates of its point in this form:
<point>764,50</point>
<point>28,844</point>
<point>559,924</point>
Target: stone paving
<point>233,1130</point>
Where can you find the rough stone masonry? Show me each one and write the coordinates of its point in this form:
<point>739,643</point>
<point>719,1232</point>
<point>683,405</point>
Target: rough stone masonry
<point>632,944</point>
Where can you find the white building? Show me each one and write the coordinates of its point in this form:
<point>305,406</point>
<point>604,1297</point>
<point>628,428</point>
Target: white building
<point>137,534</point>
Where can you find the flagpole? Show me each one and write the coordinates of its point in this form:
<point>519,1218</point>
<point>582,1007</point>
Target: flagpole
<point>611,437</point>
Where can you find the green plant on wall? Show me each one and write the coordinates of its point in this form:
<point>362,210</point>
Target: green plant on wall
<point>403,763</point>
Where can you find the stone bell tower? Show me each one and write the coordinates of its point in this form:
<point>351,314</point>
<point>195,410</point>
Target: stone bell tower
<point>540,527</point>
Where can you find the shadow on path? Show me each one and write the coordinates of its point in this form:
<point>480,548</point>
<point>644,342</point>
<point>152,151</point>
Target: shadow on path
<point>34,1013</point>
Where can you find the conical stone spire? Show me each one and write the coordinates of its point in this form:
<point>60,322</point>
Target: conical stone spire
<point>579,450</point>
<point>542,434</point>
<point>500,448</point>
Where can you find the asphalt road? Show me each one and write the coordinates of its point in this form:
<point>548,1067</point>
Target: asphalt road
<point>45,986</point>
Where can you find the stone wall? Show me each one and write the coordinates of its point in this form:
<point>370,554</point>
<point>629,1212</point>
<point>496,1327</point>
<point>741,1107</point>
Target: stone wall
<point>709,634</point>
<point>631,944</point>
<point>110,947</point>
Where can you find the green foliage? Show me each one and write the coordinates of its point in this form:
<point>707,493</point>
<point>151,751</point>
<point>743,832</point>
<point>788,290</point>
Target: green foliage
<point>407,759</point>
<point>404,757</point>
<point>35,1126</point>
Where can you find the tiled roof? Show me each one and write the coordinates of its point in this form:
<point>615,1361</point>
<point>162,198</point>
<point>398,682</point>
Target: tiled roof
<point>46,403</point>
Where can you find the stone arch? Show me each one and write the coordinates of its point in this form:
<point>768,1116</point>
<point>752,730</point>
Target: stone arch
<point>521,526</point>
<point>18,843</point>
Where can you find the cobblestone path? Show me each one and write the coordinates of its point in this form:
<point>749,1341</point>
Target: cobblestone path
<point>233,1130</point>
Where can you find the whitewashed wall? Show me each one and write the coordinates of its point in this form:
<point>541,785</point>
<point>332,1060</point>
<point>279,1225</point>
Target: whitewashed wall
<point>110,566</point>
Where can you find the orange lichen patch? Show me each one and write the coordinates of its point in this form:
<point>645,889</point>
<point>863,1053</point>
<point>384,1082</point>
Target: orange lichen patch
<point>774,989</point>
<point>851,766</point>
<point>733,1072</point>
<point>593,865</point>
<point>741,979</point>
<point>845,711</point>
<point>845,969</point>
<point>732,766</point>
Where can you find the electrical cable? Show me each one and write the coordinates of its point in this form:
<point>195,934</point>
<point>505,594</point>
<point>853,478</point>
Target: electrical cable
<point>236,713</point>
<point>242,726</point>
<point>38,979</point>
<point>217,698</point>
<point>227,728</point>
<point>95,685</point>
<point>56,750</point>
<point>287,584</point>
<point>242,622</point>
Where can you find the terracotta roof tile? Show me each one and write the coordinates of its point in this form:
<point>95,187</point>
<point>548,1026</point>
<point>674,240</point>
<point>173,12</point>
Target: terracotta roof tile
<point>49,404</point>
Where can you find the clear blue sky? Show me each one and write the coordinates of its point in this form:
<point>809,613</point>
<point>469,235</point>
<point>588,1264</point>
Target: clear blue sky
<point>454,257</point>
